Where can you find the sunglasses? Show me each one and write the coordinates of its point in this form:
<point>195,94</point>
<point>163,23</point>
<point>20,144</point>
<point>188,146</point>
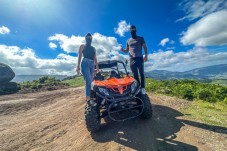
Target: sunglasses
<point>88,37</point>
<point>133,29</point>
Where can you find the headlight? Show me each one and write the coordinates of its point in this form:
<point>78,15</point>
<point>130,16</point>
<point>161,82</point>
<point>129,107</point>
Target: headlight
<point>134,86</point>
<point>103,91</point>
<point>92,86</point>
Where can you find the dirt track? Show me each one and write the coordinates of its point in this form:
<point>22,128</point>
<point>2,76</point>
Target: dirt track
<point>54,120</point>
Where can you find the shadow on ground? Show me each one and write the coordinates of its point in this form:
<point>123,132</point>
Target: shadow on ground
<point>157,133</point>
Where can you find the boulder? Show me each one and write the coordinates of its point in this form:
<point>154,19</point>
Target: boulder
<point>6,73</point>
<point>8,88</point>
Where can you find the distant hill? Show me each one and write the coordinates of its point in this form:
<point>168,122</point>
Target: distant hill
<point>209,72</point>
<point>23,78</point>
<point>215,72</point>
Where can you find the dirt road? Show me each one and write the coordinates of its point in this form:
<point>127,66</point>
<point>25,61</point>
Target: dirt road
<point>54,120</point>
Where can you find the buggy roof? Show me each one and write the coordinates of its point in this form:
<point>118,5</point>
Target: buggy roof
<point>109,63</point>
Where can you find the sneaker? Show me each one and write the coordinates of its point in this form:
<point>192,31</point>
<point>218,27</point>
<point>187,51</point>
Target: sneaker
<point>143,91</point>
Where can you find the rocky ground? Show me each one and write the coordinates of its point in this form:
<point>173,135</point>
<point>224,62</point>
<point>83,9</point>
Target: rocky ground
<point>54,120</point>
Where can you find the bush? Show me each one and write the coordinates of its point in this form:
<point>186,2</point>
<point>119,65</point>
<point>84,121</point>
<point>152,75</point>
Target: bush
<point>221,93</point>
<point>43,79</point>
<point>225,101</point>
<point>43,82</point>
<point>206,95</point>
<point>188,89</point>
<point>186,92</point>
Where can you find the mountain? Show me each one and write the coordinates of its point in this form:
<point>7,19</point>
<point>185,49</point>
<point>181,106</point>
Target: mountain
<point>209,72</point>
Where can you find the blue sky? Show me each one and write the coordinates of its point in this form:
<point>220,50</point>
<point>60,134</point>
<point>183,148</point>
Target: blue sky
<point>43,36</point>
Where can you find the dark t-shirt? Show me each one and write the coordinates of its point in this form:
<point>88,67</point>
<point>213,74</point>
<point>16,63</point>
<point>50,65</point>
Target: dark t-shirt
<point>88,52</point>
<point>135,46</point>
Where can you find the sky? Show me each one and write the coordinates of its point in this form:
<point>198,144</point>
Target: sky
<point>43,36</point>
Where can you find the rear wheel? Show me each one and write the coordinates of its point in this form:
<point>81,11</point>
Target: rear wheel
<point>92,117</point>
<point>147,111</point>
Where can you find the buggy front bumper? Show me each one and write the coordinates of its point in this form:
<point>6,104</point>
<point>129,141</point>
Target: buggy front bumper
<point>120,97</point>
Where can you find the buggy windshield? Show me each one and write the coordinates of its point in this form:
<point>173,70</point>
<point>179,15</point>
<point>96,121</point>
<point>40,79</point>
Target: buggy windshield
<point>112,68</point>
<point>109,64</point>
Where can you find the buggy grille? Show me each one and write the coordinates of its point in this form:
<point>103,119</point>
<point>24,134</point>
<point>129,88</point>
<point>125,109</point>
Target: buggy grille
<point>115,91</point>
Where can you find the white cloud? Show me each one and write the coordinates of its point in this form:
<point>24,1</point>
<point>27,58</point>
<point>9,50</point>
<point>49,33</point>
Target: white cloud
<point>211,30</point>
<point>68,44</point>
<point>200,8</point>
<point>164,41</point>
<point>123,27</point>
<point>183,61</point>
<point>106,47</point>
<point>4,30</point>
<point>24,61</point>
<point>52,45</point>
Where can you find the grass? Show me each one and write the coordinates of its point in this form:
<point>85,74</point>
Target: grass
<point>220,81</point>
<point>209,113</point>
<point>77,82</point>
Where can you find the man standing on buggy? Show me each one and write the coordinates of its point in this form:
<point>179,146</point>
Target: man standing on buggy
<point>134,47</point>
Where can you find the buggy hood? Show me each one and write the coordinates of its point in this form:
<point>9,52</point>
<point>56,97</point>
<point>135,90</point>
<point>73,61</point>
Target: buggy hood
<point>115,83</point>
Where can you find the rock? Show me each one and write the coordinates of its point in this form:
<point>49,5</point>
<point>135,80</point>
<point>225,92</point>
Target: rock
<point>6,73</point>
<point>8,88</point>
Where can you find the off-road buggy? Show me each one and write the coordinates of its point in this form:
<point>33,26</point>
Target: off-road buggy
<point>116,94</point>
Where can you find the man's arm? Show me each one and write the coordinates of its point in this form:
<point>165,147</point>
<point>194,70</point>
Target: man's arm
<point>126,50</point>
<point>146,52</point>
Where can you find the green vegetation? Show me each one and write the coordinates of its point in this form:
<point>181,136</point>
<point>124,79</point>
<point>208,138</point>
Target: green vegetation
<point>209,100</point>
<point>220,81</point>
<point>210,113</point>
<point>75,82</point>
<point>188,89</point>
<point>43,82</point>
<point>51,83</point>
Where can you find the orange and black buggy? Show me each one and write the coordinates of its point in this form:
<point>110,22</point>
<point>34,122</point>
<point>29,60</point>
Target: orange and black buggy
<point>116,94</point>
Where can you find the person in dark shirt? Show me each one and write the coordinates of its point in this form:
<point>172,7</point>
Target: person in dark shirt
<point>88,63</point>
<point>134,47</point>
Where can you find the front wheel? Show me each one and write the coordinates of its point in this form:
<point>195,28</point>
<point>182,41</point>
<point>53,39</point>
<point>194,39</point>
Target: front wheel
<point>92,117</point>
<point>147,110</point>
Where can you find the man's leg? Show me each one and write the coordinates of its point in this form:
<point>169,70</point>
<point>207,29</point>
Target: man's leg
<point>140,66</point>
<point>134,69</point>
